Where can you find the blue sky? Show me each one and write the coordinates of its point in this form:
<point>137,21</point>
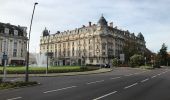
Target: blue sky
<point>151,17</point>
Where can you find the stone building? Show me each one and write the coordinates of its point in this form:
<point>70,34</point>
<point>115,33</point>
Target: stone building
<point>93,44</point>
<point>13,43</point>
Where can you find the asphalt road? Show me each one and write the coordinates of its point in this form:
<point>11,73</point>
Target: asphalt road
<point>120,84</point>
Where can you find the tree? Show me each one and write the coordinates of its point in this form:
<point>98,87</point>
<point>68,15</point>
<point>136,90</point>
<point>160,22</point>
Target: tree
<point>163,55</point>
<point>136,60</point>
<point>130,49</point>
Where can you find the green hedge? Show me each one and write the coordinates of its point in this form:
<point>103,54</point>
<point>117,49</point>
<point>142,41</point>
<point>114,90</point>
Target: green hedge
<point>40,70</point>
<point>6,85</point>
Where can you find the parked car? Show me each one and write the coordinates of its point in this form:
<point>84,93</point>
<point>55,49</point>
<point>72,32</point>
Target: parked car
<point>106,66</point>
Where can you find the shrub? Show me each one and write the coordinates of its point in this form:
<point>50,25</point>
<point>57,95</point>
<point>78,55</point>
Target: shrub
<point>115,62</point>
<point>136,60</point>
<point>6,85</point>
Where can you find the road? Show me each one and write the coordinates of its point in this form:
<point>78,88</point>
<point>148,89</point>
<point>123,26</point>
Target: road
<point>120,84</point>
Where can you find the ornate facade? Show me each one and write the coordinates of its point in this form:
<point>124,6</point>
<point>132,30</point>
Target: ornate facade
<point>13,43</point>
<point>93,44</point>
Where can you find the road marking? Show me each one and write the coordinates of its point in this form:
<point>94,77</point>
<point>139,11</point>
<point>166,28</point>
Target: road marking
<point>95,82</point>
<point>163,72</point>
<point>137,73</point>
<point>60,89</point>
<point>144,80</point>
<point>105,95</point>
<point>153,76</point>
<point>129,75</point>
<point>159,74</point>
<point>115,78</point>
<point>130,86</point>
<point>15,98</point>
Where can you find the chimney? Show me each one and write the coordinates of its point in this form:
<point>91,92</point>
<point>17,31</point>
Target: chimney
<point>83,26</point>
<point>111,24</point>
<point>90,24</point>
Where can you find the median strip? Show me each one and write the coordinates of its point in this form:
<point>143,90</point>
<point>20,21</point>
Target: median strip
<point>130,86</point>
<point>95,82</point>
<point>60,89</point>
<point>15,98</point>
<point>105,95</point>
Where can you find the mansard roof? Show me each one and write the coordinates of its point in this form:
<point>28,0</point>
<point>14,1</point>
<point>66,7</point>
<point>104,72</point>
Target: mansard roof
<point>12,28</point>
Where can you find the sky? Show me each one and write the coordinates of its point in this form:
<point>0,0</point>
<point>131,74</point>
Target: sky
<point>150,17</point>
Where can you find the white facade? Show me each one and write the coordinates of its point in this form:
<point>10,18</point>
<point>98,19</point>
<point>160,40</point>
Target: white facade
<point>13,43</point>
<point>92,44</point>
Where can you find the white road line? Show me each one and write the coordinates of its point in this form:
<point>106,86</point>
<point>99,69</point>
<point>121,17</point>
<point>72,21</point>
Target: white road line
<point>159,74</point>
<point>163,72</point>
<point>153,76</point>
<point>95,82</point>
<point>105,95</point>
<point>144,80</point>
<point>130,86</point>
<point>15,98</point>
<point>115,78</point>
<point>137,73</point>
<point>129,75</point>
<point>60,89</point>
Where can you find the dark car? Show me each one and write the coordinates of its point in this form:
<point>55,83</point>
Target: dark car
<point>106,66</point>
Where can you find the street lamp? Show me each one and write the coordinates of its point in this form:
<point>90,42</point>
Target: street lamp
<point>27,64</point>
<point>47,53</point>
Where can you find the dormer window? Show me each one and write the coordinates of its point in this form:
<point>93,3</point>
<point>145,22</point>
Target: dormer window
<point>6,31</point>
<point>15,32</point>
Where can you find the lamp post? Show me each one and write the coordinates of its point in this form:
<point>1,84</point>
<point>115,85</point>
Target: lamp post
<point>27,64</point>
<point>47,53</point>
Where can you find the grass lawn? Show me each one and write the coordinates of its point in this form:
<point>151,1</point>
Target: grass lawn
<point>38,70</point>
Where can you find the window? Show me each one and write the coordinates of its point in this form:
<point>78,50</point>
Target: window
<point>6,31</point>
<point>15,32</point>
<point>21,53</point>
<point>73,54</point>
<point>97,60</point>
<point>103,53</point>
<point>15,45</point>
<point>15,53</point>
<point>68,53</point>
<point>91,60</point>
<point>103,46</point>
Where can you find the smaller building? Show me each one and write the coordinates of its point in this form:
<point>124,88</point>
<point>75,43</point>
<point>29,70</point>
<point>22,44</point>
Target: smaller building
<point>13,44</point>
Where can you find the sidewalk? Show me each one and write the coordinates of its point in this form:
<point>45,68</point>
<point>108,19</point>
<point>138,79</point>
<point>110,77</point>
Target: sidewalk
<point>102,70</point>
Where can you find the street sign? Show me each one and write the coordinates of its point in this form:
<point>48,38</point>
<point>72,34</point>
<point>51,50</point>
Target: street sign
<point>5,57</point>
